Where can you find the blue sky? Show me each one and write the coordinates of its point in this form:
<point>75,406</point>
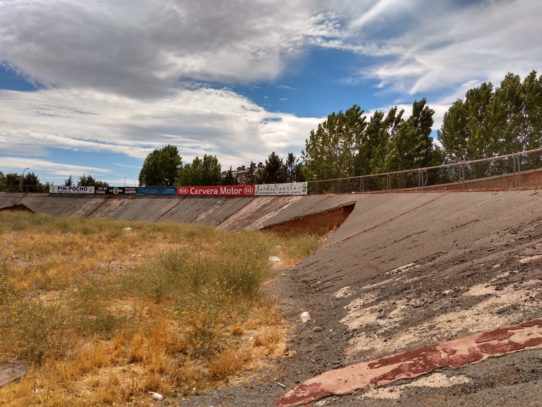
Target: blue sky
<point>92,87</point>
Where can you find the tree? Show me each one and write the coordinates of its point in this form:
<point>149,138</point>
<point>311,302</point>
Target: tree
<point>90,181</point>
<point>68,182</point>
<point>291,167</point>
<point>210,170</point>
<point>254,174</point>
<point>330,151</point>
<point>274,170</point>
<point>206,171</point>
<point>191,173</point>
<point>13,182</point>
<point>374,141</point>
<point>31,183</point>
<point>412,145</point>
<point>228,178</point>
<point>494,121</point>
<point>161,167</point>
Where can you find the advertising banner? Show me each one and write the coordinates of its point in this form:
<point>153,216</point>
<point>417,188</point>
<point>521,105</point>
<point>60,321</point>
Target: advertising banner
<point>121,190</point>
<point>293,188</point>
<point>100,191</point>
<point>156,191</point>
<point>61,189</point>
<point>226,190</point>
<point>115,190</point>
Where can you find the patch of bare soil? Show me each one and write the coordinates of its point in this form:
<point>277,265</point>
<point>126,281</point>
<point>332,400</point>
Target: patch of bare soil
<point>317,224</point>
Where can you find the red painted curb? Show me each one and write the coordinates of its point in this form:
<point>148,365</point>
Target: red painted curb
<point>416,362</point>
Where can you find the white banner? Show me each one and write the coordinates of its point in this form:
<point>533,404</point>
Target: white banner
<point>61,189</point>
<point>294,188</point>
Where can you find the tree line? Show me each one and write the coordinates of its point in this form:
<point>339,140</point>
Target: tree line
<point>30,182</point>
<point>489,121</point>
<point>164,167</point>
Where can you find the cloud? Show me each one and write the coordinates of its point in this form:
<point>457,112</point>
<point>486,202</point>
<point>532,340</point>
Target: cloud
<point>448,46</point>
<point>198,121</point>
<point>378,9</point>
<point>125,76</point>
<point>143,48</point>
<point>18,164</point>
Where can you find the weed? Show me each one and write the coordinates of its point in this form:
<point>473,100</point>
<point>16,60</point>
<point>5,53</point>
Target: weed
<point>111,315</point>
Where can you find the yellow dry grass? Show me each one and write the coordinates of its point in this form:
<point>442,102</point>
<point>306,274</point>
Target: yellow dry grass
<point>105,315</point>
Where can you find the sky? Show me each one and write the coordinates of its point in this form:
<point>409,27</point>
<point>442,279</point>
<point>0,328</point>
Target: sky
<point>91,87</point>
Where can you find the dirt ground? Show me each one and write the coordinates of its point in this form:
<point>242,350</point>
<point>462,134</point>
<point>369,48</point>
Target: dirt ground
<point>420,276</point>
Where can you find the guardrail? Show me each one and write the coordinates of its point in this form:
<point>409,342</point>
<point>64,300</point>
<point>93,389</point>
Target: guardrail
<point>522,169</point>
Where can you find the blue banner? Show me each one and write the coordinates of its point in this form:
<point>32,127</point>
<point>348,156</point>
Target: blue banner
<point>156,191</point>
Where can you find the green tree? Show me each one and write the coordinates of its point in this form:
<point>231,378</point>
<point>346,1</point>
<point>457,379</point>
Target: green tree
<point>375,139</point>
<point>494,121</point>
<point>191,173</point>
<point>31,183</point>
<point>274,170</point>
<point>412,145</point>
<point>228,178</point>
<point>68,182</point>
<point>90,181</point>
<point>330,151</point>
<point>254,174</point>
<point>13,182</point>
<point>206,171</point>
<point>294,168</point>
<point>161,167</point>
<point>210,170</point>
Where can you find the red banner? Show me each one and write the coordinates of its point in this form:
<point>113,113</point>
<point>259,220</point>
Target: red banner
<point>226,190</point>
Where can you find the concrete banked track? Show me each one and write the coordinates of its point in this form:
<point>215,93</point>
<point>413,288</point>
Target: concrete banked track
<point>411,284</point>
<point>226,213</point>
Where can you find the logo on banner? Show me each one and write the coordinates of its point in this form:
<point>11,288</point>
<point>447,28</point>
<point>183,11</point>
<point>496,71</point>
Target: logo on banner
<point>249,190</point>
<point>184,190</point>
<point>116,191</point>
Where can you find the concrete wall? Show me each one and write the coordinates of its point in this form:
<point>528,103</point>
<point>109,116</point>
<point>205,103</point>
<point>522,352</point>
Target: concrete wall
<point>225,213</point>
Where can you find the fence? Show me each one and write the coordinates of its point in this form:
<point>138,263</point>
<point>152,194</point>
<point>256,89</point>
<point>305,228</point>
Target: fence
<point>517,170</point>
<point>523,169</point>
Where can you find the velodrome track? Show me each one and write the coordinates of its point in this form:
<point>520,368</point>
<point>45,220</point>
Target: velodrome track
<point>402,272</point>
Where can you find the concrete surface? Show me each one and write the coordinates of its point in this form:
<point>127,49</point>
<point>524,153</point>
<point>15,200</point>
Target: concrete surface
<point>404,271</point>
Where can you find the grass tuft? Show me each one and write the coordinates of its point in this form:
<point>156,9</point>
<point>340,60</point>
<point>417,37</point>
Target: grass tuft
<point>105,316</point>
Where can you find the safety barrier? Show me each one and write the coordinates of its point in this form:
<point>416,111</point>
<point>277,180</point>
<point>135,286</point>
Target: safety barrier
<point>517,170</point>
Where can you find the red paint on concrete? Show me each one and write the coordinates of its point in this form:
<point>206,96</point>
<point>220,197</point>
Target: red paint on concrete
<point>413,363</point>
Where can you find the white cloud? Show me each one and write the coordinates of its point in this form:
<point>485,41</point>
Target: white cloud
<point>378,9</point>
<point>450,46</point>
<point>120,75</point>
<point>198,121</point>
<point>144,47</point>
<point>19,164</point>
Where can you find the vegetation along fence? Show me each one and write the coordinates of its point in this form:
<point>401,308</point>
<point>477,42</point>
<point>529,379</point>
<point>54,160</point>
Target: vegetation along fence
<point>517,170</point>
<point>523,169</point>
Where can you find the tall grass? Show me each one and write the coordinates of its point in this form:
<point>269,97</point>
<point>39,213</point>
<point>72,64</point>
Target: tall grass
<point>113,314</point>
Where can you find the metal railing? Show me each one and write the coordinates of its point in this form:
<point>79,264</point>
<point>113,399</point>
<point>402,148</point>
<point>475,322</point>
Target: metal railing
<point>517,170</point>
<point>522,169</point>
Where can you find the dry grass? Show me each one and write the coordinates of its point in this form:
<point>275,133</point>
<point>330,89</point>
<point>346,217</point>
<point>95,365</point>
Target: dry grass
<point>296,248</point>
<point>105,315</point>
